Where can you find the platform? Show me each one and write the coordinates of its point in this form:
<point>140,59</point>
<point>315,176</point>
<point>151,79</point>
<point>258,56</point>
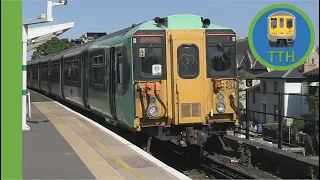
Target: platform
<point>63,144</point>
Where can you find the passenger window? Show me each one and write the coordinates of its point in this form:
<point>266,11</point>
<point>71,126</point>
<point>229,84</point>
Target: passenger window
<point>68,70</point>
<point>274,22</point>
<point>75,69</point>
<point>188,61</point>
<point>281,23</point>
<point>289,23</point>
<point>97,70</point>
<point>35,72</point>
<point>148,58</point>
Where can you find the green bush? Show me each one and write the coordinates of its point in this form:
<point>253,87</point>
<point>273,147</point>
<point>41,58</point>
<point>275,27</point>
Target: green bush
<point>298,124</point>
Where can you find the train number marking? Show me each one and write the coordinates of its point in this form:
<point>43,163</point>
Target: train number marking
<point>230,85</point>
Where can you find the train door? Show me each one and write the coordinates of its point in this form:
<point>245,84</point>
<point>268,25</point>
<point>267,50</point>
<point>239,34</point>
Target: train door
<point>107,72</point>
<point>113,83</point>
<point>50,64</point>
<point>85,77</point>
<point>40,75</point>
<point>282,29</point>
<point>62,76</point>
<point>31,76</point>
<point>187,75</point>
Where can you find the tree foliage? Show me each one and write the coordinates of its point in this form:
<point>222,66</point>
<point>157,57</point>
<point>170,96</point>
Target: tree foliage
<point>314,111</point>
<point>298,124</point>
<point>314,102</point>
<point>52,46</point>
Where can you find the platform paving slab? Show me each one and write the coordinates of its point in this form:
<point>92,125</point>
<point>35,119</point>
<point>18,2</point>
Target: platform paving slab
<point>47,155</point>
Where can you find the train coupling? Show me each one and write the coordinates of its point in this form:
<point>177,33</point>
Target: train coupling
<point>192,136</point>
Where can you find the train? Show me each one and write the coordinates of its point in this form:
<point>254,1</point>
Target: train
<point>281,29</point>
<point>172,78</point>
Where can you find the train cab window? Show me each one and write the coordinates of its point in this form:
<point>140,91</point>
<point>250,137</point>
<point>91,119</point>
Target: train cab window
<point>97,70</point>
<point>188,61</point>
<point>219,58</point>
<point>149,57</point>
<point>274,22</point>
<point>289,23</point>
<point>281,23</point>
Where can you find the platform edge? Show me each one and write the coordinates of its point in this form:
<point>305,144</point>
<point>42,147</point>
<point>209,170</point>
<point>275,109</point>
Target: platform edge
<point>144,154</point>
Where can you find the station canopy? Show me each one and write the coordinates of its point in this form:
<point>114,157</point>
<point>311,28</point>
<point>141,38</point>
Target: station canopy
<point>40,35</point>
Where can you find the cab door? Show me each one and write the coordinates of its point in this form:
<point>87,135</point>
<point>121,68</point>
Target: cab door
<point>187,75</point>
<point>282,29</point>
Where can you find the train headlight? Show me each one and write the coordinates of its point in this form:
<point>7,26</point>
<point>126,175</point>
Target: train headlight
<point>221,107</point>
<point>152,111</point>
<point>220,97</point>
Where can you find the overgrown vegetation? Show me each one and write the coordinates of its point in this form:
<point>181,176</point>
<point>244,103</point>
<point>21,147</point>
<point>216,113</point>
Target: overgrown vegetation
<point>52,46</point>
<point>245,155</point>
<point>298,124</point>
<point>314,111</point>
<point>312,174</point>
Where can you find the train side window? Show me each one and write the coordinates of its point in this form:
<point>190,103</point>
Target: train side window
<point>52,72</point>
<point>188,61</point>
<point>119,67</point>
<point>289,23</point>
<point>44,72</point>
<point>274,22</point>
<point>35,72</point>
<point>97,70</point>
<point>75,70</point>
<point>68,73</point>
<point>281,23</point>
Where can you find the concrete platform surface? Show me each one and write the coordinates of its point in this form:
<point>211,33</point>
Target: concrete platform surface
<point>67,145</point>
<point>47,155</point>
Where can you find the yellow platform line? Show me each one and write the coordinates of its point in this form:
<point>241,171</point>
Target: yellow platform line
<point>94,162</point>
<point>127,167</point>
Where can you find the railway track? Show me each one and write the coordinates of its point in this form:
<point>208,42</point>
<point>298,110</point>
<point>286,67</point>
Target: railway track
<point>222,171</point>
<point>208,168</point>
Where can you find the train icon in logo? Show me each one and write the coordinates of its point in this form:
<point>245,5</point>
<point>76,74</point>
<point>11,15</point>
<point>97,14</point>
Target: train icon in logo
<point>281,29</point>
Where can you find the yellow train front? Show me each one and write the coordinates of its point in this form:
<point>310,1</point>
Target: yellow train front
<point>185,79</point>
<point>281,29</point>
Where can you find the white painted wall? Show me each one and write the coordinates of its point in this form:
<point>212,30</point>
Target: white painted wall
<point>293,105</point>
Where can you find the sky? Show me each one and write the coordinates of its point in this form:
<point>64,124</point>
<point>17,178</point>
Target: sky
<point>112,15</point>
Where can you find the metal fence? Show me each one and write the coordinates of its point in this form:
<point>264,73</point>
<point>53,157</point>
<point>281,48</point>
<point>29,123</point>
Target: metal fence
<point>262,107</point>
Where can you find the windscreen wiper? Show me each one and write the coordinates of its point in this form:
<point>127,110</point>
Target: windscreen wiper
<point>148,51</point>
<point>220,47</point>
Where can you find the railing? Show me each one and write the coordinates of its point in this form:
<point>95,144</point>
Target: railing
<point>281,103</point>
